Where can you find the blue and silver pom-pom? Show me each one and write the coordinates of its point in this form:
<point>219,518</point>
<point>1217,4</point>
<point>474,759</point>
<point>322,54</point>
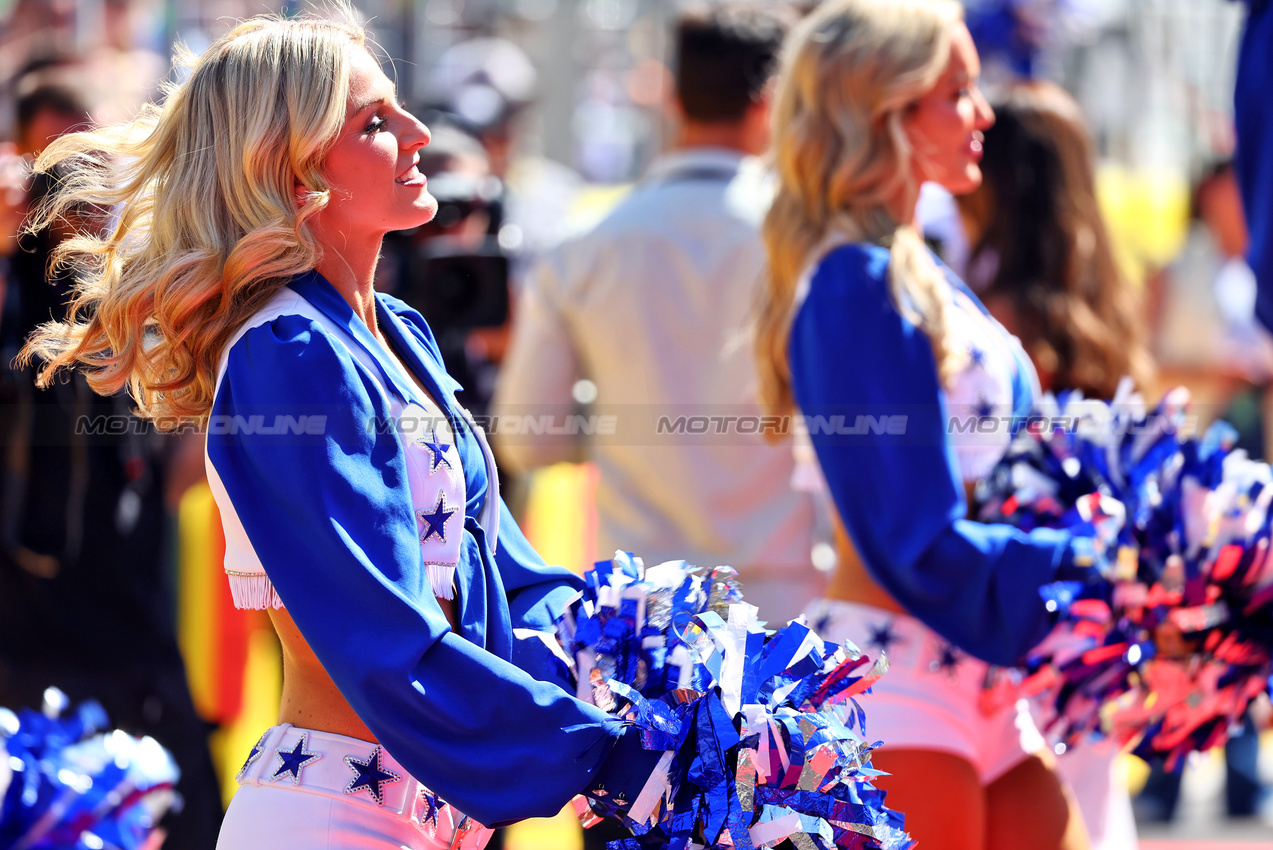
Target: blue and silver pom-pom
<point>1167,652</point>
<point>67,782</point>
<point>763,739</point>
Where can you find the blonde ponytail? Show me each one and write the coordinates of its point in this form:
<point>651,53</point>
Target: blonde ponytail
<point>921,293</point>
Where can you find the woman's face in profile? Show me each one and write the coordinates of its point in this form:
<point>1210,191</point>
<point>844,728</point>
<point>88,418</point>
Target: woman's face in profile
<point>945,125</point>
<point>375,184</point>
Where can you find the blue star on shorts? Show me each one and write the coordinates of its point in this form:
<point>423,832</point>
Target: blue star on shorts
<point>883,636</point>
<point>291,761</point>
<point>369,775</point>
<point>948,660</point>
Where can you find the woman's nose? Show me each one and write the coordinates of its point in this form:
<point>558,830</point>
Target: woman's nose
<point>985,113</point>
<point>417,136</point>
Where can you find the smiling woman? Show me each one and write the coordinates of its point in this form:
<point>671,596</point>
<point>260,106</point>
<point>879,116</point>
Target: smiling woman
<point>371,167</point>
<point>876,97</point>
<point>236,286</point>
<point>945,126</point>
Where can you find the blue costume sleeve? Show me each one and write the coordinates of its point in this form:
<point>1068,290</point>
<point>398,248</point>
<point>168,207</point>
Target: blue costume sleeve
<point>1253,123</point>
<point>900,494</point>
<point>330,518</point>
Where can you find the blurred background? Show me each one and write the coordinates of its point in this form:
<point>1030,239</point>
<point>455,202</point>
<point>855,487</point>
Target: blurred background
<point>544,112</point>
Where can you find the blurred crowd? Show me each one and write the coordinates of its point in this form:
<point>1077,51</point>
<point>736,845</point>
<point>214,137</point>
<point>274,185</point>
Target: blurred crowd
<point>552,293</point>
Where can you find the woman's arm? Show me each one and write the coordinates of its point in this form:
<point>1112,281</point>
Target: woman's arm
<point>899,492</point>
<point>329,516</point>
<point>1253,122</point>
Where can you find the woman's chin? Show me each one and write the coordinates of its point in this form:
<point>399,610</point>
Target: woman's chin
<point>426,207</point>
<point>963,182</point>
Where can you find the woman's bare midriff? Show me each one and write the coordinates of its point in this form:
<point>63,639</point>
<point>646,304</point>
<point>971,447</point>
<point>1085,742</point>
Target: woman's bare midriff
<point>311,699</point>
<point>851,581</point>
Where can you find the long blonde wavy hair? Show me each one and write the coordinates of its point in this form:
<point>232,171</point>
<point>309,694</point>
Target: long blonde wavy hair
<point>849,72</point>
<point>208,195</point>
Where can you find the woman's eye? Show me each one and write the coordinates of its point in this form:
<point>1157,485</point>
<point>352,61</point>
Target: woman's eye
<point>377,124</point>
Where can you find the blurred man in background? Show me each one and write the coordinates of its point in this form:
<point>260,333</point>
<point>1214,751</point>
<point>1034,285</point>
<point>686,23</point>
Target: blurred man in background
<point>650,313</point>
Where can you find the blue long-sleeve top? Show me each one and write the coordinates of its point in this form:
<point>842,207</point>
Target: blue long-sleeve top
<point>1253,159</point>
<point>328,514</point>
<point>901,494</point>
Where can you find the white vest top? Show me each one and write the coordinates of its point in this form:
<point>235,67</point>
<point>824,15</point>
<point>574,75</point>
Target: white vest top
<point>434,472</point>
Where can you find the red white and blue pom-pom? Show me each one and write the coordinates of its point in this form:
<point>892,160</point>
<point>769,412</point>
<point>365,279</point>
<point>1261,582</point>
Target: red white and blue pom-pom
<point>70,783</point>
<point>764,742</point>
<point>1166,654</point>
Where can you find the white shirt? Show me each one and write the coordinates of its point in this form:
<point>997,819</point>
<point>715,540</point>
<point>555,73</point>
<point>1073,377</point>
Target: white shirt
<point>655,306</point>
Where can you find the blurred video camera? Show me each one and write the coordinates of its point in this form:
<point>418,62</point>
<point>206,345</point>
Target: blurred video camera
<point>455,277</point>
<point>458,288</point>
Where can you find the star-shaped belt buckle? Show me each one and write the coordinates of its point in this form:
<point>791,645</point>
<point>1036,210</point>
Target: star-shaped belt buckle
<point>292,761</point>
<point>368,774</point>
<point>257,749</point>
<point>432,806</point>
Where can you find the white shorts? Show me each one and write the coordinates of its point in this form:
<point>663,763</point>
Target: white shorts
<point>1091,771</point>
<point>930,697</point>
<point>303,788</point>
